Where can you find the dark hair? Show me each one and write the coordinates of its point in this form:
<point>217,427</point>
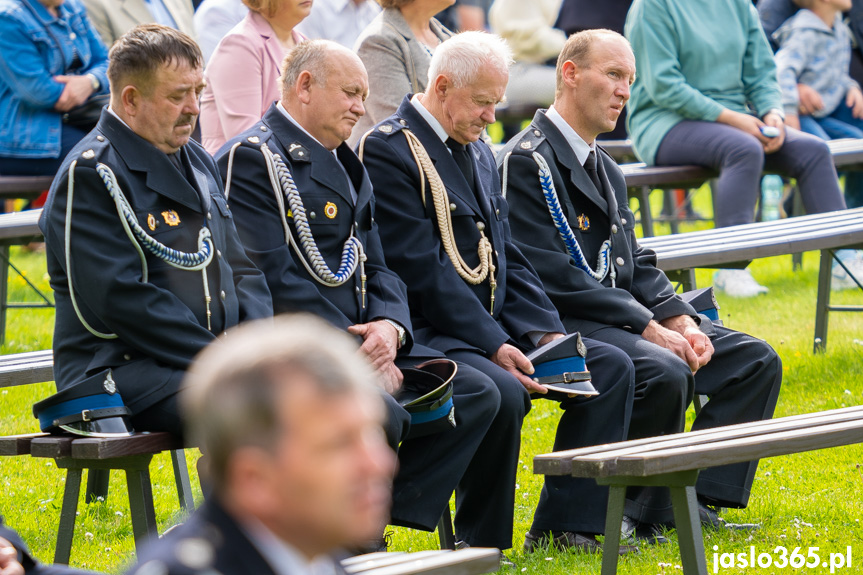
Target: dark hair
<point>137,54</point>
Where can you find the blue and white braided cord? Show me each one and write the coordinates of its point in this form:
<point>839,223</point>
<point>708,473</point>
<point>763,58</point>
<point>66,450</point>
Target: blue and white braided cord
<point>182,260</point>
<point>560,222</point>
<point>352,252</point>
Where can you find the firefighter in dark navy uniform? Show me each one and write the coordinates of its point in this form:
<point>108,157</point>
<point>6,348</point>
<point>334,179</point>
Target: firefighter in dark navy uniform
<point>143,254</point>
<point>304,209</point>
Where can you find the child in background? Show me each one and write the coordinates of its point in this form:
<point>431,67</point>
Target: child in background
<point>815,52</point>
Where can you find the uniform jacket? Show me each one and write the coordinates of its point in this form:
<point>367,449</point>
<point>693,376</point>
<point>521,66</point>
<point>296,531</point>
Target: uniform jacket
<point>113,18</point>
<point>447,312</point>
<point>210,541</point>
<point>163,319</point>
<point>397,64</point>
<point>330,210</point>
<point>24,557</point>
<point>35,47</point>
<point>642,291</point>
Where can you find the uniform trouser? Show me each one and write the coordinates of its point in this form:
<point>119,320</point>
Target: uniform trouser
<point>485,497</point>
<point>579,504</point>
<point>742,381</point>
<point>462,460</point>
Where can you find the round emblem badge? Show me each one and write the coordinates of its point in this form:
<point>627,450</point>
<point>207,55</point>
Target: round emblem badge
<point>330,210</point>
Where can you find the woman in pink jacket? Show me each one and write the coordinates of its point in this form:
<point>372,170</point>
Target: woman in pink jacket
<point>243,73</point>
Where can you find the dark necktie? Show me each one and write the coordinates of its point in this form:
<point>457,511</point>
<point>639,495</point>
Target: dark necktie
<point>590,168</point>
<point>462,159</point>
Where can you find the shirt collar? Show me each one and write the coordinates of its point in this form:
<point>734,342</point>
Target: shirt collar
<point>578,145</point>
<point>427,116</point>
<point>284,558</point>
<point>290,118</point>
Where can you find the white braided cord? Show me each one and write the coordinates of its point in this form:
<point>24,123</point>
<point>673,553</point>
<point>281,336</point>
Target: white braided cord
<point>197,261</point>
<point>604,264</point>
<point>440,201</point>
<point>352,256</point>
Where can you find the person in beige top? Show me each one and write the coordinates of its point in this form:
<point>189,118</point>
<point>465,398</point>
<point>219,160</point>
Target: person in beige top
<point>528,28</point>
<point>396,49</point>
<point>113,18</point>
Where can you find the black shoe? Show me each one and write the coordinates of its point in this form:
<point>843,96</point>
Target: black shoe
<point>565,540</point>
<point>504,560</point>
<point>636,532</point>
<point>709,516</point>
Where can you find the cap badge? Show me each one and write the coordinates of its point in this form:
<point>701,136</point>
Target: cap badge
<point>109,385</point>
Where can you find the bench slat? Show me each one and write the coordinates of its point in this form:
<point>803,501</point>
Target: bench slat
<point>387,559</point>
<point>560,462</point>
<point>51,446</point>
<point>462,562</point>
<point>138,444</point>
<point>18,444</point>
<point>723,452</point>
<point>816,222</point>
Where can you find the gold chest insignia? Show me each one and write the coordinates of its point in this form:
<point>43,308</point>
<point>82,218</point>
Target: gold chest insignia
<point>151,222</point>
<point>171,218</point>
<point>583,222</point>
<point>330,210</point>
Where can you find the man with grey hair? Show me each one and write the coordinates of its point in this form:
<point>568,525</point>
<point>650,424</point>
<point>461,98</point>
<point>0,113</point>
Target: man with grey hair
<point>304,209</point>
<point>289,417</point>
<point>472,294</point>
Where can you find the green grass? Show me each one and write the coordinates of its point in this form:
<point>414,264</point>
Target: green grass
<point>809,499</point>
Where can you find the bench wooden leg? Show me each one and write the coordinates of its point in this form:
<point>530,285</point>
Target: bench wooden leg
<point>181,478</point>
<point>613,518</point>
<point>4,290</point>
<point>141,505</point>
<point>688,524</point>
<point>68,511</point>
<point>822,305</point>
<point>97,484</point>
<point>445,531</point>
<point>644,211</point>
<point>685,506</point>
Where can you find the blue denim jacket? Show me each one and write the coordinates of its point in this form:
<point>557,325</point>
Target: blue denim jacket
<point>30,56</point>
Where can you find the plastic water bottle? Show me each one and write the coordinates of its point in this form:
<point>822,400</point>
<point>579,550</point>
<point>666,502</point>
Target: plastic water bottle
<point>771,197</point>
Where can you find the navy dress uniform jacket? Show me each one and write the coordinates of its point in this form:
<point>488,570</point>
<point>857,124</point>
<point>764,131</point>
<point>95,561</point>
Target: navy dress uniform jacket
<point>161,323</point>
<point>210,541</point>
<point>322,182</point>
<point>743,376</point>
<point>430,467</point>
<point>642,292</point>
<point>447,312</point>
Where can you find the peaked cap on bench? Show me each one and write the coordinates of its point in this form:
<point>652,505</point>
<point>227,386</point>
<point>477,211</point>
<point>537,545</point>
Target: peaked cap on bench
<point>92,408</point>
<point>561,367</point>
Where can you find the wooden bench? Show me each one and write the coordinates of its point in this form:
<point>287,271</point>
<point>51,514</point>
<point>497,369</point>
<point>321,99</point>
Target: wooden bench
<point>736,246</point>
<point>23,187</point>
<point>462,562</point>
<point>675,460</point>
<point>98,455</point>
<point>17,228</point>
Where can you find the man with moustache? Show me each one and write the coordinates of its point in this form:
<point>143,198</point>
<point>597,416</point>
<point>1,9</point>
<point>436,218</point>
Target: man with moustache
<point>304,209</point>
<point>570,216</point>
<point>472,294</point>
<point>144,259</point>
